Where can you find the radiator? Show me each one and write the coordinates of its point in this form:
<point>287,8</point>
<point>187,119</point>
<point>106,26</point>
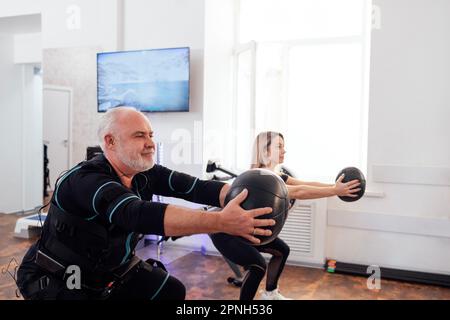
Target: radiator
<point>305,231</point>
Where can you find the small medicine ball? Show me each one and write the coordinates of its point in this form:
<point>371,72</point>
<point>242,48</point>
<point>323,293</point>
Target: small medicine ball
<point>352,173</point>
<point>265,189</point>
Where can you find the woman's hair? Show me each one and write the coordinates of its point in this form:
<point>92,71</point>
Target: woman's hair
<point>261,146</point>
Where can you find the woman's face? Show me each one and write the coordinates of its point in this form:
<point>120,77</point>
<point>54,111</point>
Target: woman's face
<point>276,151</point>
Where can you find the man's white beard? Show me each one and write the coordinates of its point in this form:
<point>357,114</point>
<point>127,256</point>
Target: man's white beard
<point>138,164</point>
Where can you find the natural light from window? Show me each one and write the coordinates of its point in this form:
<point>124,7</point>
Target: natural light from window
<point>310,80</point>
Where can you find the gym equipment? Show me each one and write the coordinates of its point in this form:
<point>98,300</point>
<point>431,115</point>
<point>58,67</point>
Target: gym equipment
<point>213,166</point>
<point>333,266</point>
<point>29,227</point>
<point>352,173</point>
<point>46,172</point>
<point>265,189</point>
<point>93,151</point>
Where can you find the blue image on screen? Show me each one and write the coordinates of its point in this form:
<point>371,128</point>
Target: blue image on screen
<point>150,80</point>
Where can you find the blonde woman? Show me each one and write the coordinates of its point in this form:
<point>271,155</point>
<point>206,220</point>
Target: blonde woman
<point>268,153</point>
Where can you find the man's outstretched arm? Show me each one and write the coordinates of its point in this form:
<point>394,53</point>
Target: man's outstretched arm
<point>232,220</point>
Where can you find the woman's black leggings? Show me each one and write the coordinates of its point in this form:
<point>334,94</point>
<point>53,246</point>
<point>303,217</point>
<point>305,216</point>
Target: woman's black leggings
<point>249,256</point>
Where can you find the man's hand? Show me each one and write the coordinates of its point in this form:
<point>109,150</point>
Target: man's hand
<point>239,222</point>
<point>347,189</point>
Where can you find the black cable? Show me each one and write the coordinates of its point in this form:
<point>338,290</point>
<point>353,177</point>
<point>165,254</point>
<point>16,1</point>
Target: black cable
<point>13,275</point>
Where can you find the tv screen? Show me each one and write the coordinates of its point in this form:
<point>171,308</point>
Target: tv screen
<point>154,80</point>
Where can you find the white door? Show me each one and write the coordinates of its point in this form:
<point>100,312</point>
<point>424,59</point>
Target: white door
<point>56,120</point>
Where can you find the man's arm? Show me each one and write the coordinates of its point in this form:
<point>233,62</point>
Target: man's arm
<point>171,183</point>
<point>232,220</point>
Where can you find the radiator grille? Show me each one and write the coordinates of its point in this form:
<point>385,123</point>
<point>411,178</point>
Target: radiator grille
<point>298,229</point>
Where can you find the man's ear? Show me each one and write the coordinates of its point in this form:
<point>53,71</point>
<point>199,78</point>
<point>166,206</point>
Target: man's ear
<point>109,141</point>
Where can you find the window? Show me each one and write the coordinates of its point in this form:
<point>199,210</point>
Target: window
<point>302,69</point>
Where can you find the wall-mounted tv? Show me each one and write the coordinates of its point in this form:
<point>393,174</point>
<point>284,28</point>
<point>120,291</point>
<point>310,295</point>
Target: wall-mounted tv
<point>155,80</point>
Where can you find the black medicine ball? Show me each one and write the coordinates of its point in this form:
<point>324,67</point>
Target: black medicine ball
<point>265,189</point>
<point>352,173</point>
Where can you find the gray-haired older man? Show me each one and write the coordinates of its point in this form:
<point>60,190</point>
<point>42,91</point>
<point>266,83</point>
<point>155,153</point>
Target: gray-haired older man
<point>100,209</point>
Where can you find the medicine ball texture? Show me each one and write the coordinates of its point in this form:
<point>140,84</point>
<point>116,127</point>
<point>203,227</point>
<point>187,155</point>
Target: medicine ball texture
<point>352,173</point>
<point>265,189</point>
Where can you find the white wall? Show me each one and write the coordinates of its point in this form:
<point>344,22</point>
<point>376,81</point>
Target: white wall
<point>409,149</point>
<point>10,119</point>
<point>218,45</point>
<point>97,27</point>
<point>218,94</point>
<point>147,24</point>
<point>75,68</point>
<point>20,7</point>
<point>21,186</point>
<point>33,162</point>
<point>21,101</point>
<point>165,24</point>
<point>28,48</point>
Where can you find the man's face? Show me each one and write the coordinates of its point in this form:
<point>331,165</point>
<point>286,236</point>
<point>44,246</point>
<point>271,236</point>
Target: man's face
<point>135,146</point>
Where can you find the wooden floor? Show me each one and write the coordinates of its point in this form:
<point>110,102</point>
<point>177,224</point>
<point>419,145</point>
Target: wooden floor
<point>12,251</point>
<point>205,276</point>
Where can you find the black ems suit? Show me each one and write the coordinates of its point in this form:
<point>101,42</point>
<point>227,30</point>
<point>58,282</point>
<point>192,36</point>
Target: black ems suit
<point>94,223</point>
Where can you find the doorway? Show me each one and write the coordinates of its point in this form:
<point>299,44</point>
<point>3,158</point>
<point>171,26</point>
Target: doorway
<point>57,106</point>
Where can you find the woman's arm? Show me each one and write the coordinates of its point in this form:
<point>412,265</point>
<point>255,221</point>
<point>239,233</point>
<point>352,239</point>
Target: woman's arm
<point>304,191</point>
<point>297,182</point>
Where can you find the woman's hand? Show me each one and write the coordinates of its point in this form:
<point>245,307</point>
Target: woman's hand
<point>347,189</point>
